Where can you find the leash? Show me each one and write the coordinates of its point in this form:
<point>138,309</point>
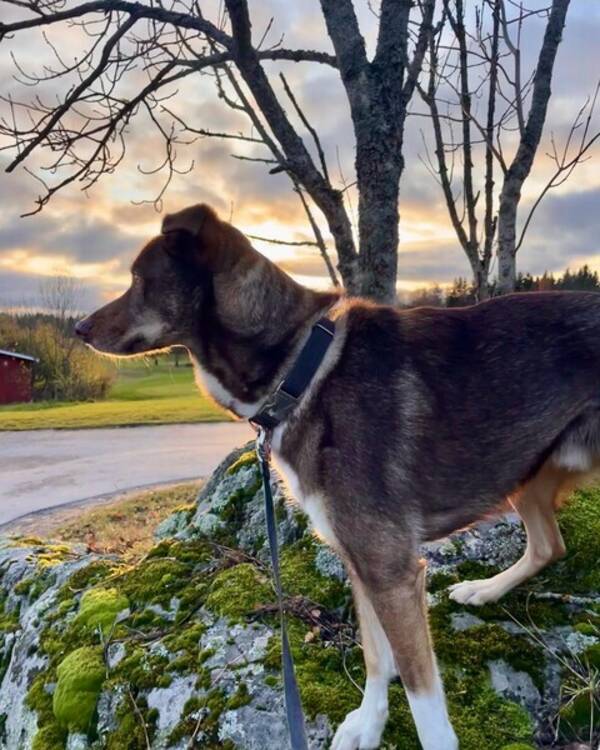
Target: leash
<point>293,704</point>
<point>274,411</point>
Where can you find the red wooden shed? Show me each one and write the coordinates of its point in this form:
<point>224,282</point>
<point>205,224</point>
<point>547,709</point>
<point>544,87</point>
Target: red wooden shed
<point>16,377</point>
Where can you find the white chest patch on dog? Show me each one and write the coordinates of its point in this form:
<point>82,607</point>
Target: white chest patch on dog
<point>209,384</point>
<point>311,504</point>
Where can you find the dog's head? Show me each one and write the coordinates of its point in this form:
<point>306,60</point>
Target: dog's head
<point>172,283</point>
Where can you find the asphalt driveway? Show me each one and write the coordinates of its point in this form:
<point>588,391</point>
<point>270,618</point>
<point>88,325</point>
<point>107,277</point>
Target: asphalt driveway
<point>46,468</point>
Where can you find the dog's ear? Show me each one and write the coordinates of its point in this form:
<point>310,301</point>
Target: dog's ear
<point>193,219</point>
<point>198,232</point>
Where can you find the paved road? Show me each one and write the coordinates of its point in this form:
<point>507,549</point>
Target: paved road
<point>45,468</point>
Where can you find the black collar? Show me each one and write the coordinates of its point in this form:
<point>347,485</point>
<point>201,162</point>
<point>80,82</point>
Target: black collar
<point>283,400</point>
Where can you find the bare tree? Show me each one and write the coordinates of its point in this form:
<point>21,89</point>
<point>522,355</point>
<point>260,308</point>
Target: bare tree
<point>60,296</point>
<point>86,132</point>
<point>485,65</point>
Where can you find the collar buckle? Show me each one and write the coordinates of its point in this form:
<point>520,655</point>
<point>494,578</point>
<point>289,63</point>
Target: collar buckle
<point>282,401</point>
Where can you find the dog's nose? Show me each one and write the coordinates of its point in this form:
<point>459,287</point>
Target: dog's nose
<point>83,328</point>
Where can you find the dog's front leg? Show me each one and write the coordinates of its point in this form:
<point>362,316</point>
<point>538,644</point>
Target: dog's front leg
<point>395,638</point>
<point>402,611</point>
<point>363,727</point>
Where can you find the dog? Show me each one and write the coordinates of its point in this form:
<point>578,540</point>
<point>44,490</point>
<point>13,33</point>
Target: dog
<point>417,422</point>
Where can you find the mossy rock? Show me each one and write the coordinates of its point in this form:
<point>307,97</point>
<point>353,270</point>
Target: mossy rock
<point>238,591</point>
<point>248,458</point>
<point>80,677</point>
<point>179,592</point>
<point>99,609</point>
<point>50,737</point>
<point>300,576</point>
<point>579,571</point>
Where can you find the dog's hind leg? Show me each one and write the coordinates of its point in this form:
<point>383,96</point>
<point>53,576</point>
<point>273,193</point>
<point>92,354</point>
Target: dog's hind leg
<point>535,504</point>
<point>363,727</point>
<point>392,605</point>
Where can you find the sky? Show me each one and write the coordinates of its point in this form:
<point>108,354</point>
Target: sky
<point>95,235</point>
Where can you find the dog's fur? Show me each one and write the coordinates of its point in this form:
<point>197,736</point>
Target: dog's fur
<point>418,422</point>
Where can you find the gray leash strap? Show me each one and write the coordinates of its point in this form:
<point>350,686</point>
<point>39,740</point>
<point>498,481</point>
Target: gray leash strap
<point>293,705</point>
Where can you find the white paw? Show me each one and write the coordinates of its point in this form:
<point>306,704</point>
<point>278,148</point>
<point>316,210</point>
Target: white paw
<point>474,593</point>
<point>359,731</point>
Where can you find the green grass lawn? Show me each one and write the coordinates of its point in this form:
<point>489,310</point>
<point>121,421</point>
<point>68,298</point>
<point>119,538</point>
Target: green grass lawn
<point>143,393</point>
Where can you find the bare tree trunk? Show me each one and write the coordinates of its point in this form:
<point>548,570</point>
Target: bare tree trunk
<point>378,93</point>
<point>378,216</point>
<point>521,165</point>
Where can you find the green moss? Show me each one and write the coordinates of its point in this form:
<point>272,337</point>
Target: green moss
<point>473,648</point>
<point>246,459</point>
<point>9,621</point>
<point>579,571</point>
<point>591,656</point>
<point>240,698</point>
<point>299,576</point>
<point>154,581</point>
<point>87,576</point>
<point>440,581</point>
<point>518,604</point>
<point>40,701</point>
<point>99,609</point>
<point>323,682</point>
<point>45,554</point>
<point>233,513</point>
<point>238,591</point>
<point>586,628</point>
<point>185,639</point>
<point>22,588</point>
<point>26,541</point>
<point>142,669</point>
<point>80,677</point>
<point>481,718</point>
<point>50,737</point>
<point>129,733</point>
<point>212,706</point>
<point>192,552</point>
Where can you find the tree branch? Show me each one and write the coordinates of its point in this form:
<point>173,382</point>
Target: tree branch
<point>308,126</point>
<point>350,51</point>
<point>416,65</point>
<point>139,10</point>
<point>298,160</point>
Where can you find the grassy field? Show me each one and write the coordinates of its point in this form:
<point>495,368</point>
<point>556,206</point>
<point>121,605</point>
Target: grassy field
<point>143,393</point>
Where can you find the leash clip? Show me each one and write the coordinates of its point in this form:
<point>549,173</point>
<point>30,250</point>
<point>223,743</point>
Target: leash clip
<point>263,443</point>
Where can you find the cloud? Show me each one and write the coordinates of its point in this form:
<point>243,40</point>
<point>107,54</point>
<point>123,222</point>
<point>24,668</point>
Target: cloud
<point>565,232</point>
<point>78,238</point>
<point>23,290</point>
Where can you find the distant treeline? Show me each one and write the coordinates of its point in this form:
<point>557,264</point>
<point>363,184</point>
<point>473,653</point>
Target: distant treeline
<point>462,292</point>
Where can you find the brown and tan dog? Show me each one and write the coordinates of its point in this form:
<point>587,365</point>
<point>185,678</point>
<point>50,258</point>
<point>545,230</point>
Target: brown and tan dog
<point>417,423</point>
